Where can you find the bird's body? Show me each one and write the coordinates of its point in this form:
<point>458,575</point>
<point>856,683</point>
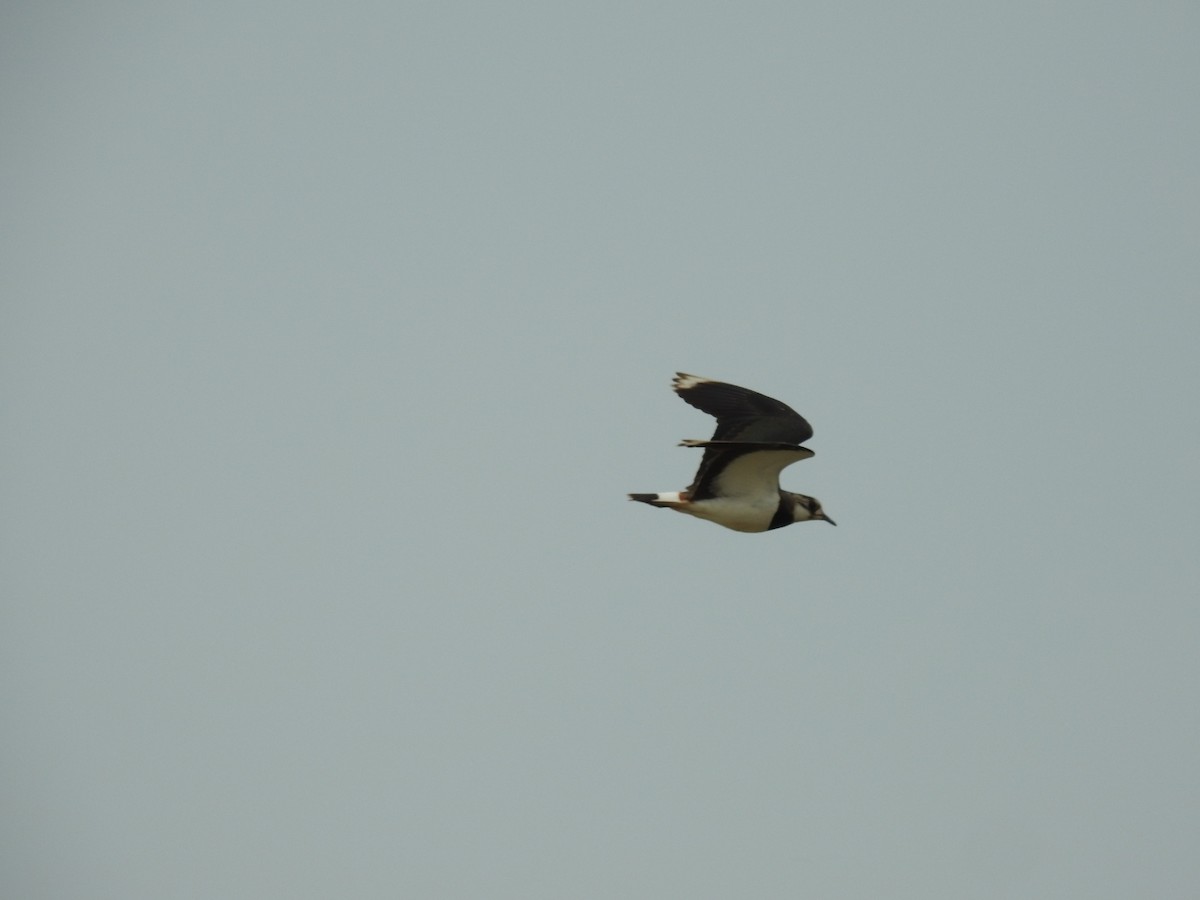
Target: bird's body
<point>737,484</point>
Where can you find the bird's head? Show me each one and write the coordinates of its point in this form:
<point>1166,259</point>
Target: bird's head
<point>809,509</point>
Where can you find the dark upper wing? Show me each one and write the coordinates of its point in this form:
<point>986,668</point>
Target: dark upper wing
<point>741,414</point>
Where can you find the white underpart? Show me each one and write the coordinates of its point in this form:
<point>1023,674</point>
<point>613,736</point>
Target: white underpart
<point>739,513</point>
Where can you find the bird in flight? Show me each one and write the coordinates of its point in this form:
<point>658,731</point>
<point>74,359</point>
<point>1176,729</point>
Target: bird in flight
<point>737,484</point>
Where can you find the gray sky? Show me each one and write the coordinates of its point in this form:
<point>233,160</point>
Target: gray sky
<point>334,334</point>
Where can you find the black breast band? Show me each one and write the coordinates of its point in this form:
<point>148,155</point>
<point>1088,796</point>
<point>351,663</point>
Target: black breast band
<point>783,515</point>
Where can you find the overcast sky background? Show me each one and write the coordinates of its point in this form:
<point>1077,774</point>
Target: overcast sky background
<point>333,336</point>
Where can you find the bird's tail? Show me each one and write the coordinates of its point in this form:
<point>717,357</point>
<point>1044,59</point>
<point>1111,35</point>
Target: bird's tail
<point>670,500</point>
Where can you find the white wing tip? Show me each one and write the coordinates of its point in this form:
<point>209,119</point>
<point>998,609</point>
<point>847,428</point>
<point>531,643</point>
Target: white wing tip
<point>683,381</point>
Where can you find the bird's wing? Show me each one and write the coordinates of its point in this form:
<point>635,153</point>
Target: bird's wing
<point>740,469</point>
<point>742,414</point>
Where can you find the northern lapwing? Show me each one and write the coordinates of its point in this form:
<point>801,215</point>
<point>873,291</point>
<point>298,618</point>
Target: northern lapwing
<point>737,484</point>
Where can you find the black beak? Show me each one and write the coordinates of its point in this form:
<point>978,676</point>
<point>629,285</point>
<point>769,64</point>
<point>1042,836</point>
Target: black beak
<point>827,519</point>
